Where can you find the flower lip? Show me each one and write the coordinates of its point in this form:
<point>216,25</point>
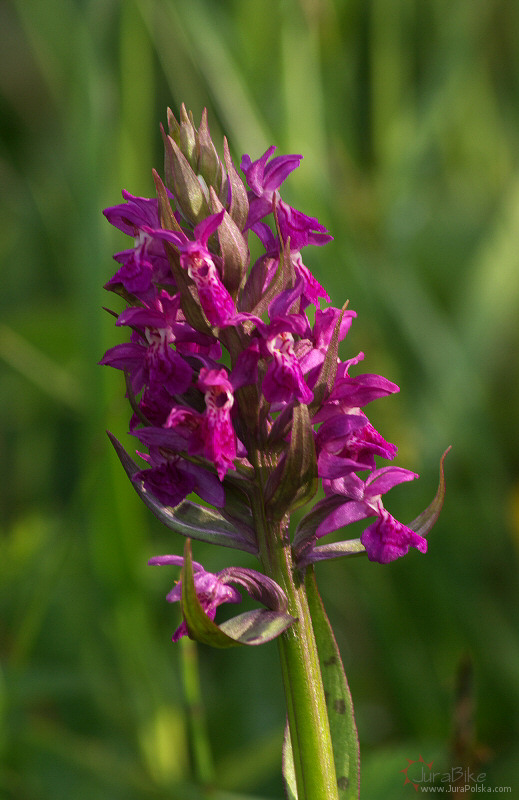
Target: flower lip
<point>214,589</point>
<point>386,539</point>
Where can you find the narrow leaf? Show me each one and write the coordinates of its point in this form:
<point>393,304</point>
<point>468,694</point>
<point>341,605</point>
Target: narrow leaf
<point>351,547</point>
<point>288,768</point>
<point>257,627</point>
<point>200,626</point>
<point>189,298</point>
<point>187,519</point>
<point>208,162</point>
<point>173,126</point>
<point>239,207</point>
<point>184,184</point>
<point>187,137</point>
<point>298,480</point>
<point>235,253</point>
<point>251,628</point>
<point>167,218</point>
<point>338,698</point>
<point>305,531</point>
<point>328,372</point>
<point>425,521</point>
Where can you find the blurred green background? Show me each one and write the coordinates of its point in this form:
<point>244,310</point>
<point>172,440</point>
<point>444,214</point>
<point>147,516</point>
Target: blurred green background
<point>407,113</point>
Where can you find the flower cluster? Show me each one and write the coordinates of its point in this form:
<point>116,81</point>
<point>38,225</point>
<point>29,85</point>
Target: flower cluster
<point>232,370</point>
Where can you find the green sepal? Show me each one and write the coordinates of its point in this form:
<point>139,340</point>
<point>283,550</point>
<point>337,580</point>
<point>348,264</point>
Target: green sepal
<point>237,508</point>
<point>282,278</point>
<point>173,126</point>
<point>304,535</point>
<point>187,136</point>
<point>187,519</point>
<point>323,552</point>
<point>239,208</point>
<point>425,521</point>
<point>339,704</point>
<point>328,373</point>
<point>188,294</point>
<point>251,628</point>
<point>209,165</point>
<point>233,247</point>
<point>184,184</point>
<point>294,482</point>
<point>167,219</point>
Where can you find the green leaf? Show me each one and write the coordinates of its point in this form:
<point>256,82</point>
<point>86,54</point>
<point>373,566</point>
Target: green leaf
<point>188,519</point>
<point>350,547</point>
<point>289,771</point>
<point>189,296</point>
<point>239,208</point>
<point>251,628</point>
<point>282,278</point>
<point>167,218</point>
<point>305,531</point>
<point>328,372</point>
<point>184,184</point>
<point>425,521</point>
<point>187,137</point>
<point>295,481</point>
<point>235,253</point>
<point>209,165</point>
<point>257,626</point>
<point>338,697</point>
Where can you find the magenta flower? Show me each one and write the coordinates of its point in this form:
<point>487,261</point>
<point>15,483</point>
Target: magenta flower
<point>150,361</point>
<point>312,289</point>
<point>360,498</point>
<point>259,396</point>
<point>218,432</point>
<point>264,178</point>
<point>200,264</point>
<point>387,539</point>
<point>146,261</point>
<point>170,476</point>
<point>284,380</point>
<point>211,590</point>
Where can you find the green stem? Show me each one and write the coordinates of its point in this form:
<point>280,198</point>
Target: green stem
<point>306,705</point>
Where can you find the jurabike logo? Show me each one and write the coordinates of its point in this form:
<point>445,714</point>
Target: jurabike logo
<point>415,782</point>
<point>420,775</point>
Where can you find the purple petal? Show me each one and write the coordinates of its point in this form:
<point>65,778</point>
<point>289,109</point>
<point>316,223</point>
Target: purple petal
<point>134,214</point>
<point>278,170</point>
<point>330,466</point>
<point>254,170</point>
<point>161,437</point>
<point>127,356</point>
<point>351,511</point>
<point>245,370</point>
<point>142,318</point>
<point>266,237</point>
<point>382,480</point>
<point>175,237</point>
<point>207,486</point>
<point>283,301</point>
<point>334,431</point>
<point>387,539</point>
<point>362,389</point>
<point>207,227</point>
<point>177,561</point>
